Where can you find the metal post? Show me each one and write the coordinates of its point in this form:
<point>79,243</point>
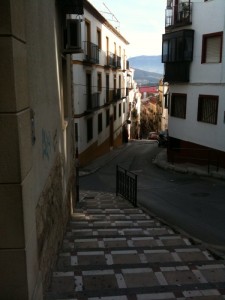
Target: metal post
<point>77,164</point>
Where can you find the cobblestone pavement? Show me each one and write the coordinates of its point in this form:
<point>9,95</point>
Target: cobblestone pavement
<point>113,251</point>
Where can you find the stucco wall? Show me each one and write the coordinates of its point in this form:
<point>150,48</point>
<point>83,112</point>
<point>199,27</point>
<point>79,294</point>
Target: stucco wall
<point>36,146</point>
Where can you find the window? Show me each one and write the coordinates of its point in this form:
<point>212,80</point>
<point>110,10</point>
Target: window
<point>107,88</point>
<point>124,107</point>
<point>166,100</point>
<point>120,110</point>
<point>114,114</point>
<point>88,91</point>
<point>99,83</point>
<point>89,129</point>
<point>208,109</point>
<point>178,46</point>
<point>212,47</point>
<point>107,118</point>
<point>64,87</point>
<point>76,132</point>
<point>178,105</point>
<point>100,123</point>
<point>99,38</point>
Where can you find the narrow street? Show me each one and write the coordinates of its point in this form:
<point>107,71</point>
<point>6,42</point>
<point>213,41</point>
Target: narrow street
<point>191,203</point>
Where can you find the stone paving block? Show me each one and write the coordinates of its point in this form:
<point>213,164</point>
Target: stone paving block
<point>191,254</point>
<point>99,280</point>
<point>63,282</point>
<point>125,257</point>
<point>86,243</point>
<point>115,242</point>
<point>143,277</point>
<point>214,275</point>
<point>91,258</point>
<point>158,256</point>
<point>180,277</point>
<point>173,241</point>
<point>144,242</point>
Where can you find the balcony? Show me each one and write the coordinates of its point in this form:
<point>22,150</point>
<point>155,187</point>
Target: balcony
<point>93,101</point>
<point>91,52</point>
<point>113,61</point>
<point>177,54</point>
<point>113,95</point>
<point>178,15</point>
<point>177,72</point>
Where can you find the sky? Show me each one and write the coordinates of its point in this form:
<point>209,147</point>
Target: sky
<point>141,23</point>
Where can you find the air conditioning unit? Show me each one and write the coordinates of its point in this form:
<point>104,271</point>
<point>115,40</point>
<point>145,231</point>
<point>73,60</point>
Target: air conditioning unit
<point>72,36</point>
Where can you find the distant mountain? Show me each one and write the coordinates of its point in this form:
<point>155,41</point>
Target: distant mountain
<point>147,63</point>
<point>146,78</point>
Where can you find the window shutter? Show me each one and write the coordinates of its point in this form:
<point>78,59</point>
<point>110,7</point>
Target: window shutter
<point>213,49</point>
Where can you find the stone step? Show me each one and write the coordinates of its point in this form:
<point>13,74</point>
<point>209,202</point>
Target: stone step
<point>126,256</point>
<point>73,242</point>
<point>142,282</point>
<point>113,251</point>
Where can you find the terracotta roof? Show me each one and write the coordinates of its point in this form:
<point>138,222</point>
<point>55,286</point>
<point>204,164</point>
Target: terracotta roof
<point>148,89</point>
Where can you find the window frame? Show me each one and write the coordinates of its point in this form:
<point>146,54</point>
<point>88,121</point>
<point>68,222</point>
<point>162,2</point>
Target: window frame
<point>200,113</point>
<point>206,37</point>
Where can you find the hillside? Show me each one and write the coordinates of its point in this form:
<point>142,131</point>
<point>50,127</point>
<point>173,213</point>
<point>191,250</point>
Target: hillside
<point>147,63</point>
<point>146,78</point>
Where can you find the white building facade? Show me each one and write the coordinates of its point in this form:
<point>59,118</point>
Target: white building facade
<point>194,60</point>
<point>99,84</point>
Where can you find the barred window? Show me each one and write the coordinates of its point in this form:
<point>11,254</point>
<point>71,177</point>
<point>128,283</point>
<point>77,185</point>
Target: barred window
<point>178,105</point>
<point>208,109</point>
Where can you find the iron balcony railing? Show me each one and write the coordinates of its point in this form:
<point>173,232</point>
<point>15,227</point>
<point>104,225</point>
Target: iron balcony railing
<point>179,15</point>
<point>113,95</point>
<point>113,60</point>
<point>93,101</point>
<point>91,52</point>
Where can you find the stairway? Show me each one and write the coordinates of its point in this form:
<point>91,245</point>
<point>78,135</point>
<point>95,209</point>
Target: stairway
<point>114,251</point>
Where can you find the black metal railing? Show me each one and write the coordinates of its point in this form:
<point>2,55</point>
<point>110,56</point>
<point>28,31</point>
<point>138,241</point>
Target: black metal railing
<point>113,95</point>
<point>179,15</point>
<point>91,52</point>
<point>93,101</point>
<point>126,184</point>
<point>113,60</point>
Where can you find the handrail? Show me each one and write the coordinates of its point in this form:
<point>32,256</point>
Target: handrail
<point>126,185</point>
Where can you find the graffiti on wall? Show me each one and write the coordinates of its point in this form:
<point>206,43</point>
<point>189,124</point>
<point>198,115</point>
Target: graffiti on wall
<point>49,143</point>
